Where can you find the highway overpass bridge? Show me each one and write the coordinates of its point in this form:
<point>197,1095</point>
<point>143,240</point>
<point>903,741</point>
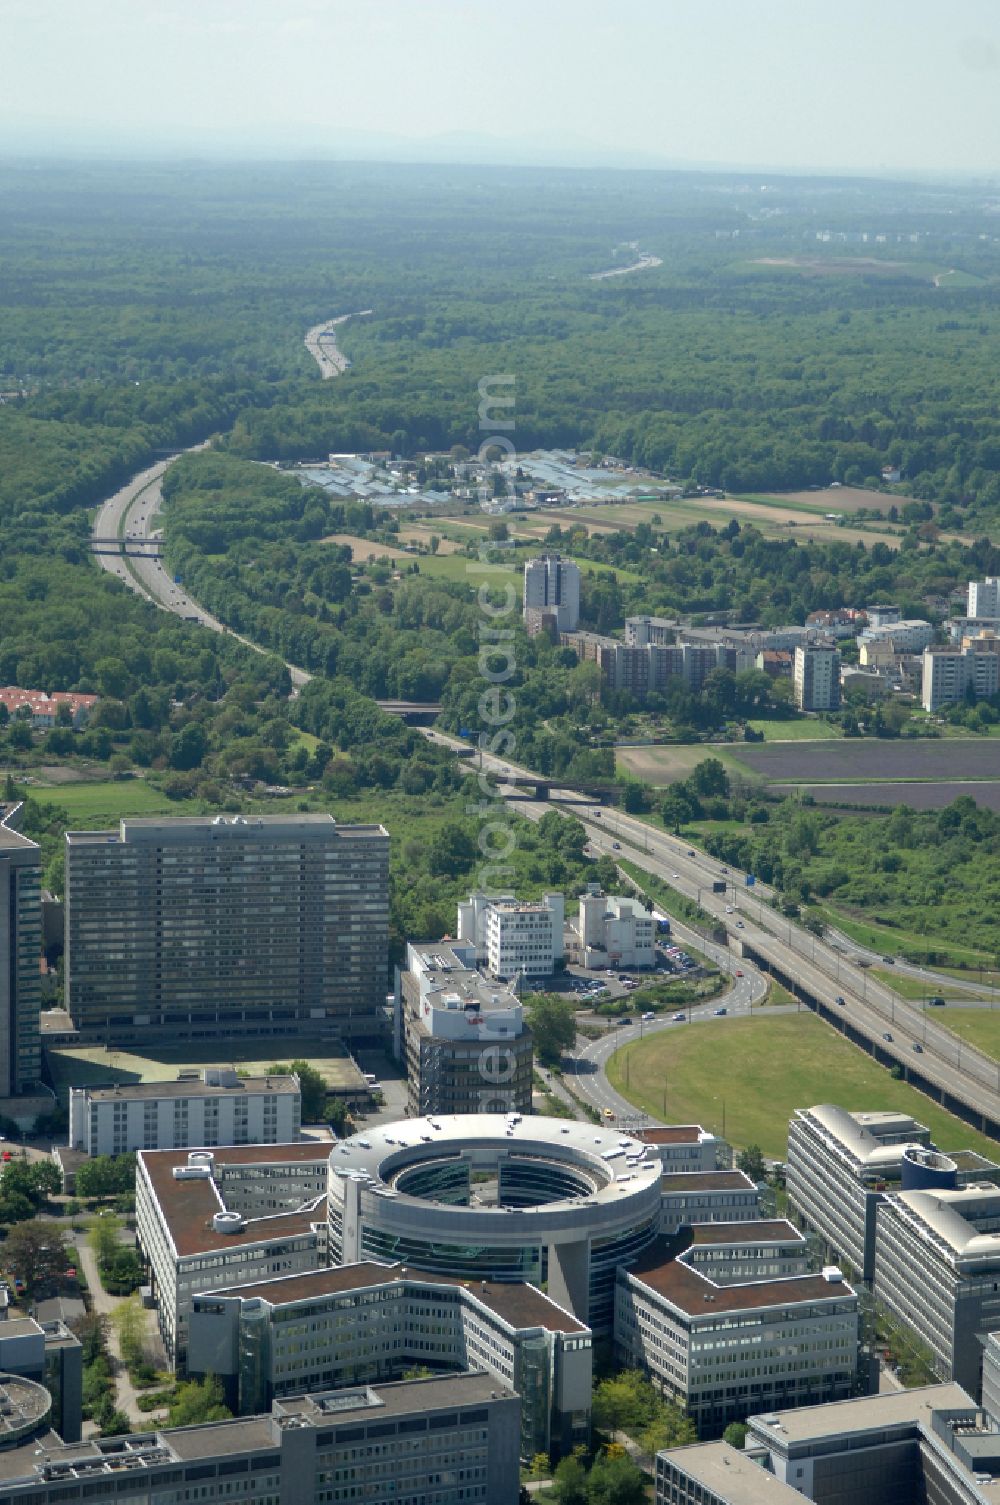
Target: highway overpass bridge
<point>140,548</point>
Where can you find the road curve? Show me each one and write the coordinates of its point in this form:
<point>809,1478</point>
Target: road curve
<point>321,343</point>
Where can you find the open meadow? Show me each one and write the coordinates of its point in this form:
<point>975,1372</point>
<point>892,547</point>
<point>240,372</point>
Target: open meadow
<point>744,1078</point>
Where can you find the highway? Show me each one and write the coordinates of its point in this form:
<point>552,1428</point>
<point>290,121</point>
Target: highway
<point>321,343</point>
<point>132,513</point>
<point>898,1032</point>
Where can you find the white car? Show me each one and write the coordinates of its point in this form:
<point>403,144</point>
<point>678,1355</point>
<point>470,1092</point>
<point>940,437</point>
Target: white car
<point>647,1017</point>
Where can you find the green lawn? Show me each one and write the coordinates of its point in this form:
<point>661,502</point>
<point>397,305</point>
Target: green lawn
<point>981,1027</point>
<point>106,801</point>
<point>457,567</point>
<point>777,997</point>
<point>809,730</point>
<point>753,1073</point>
<point>912,987</point>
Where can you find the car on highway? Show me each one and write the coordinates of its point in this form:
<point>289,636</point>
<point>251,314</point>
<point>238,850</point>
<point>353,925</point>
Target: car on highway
<point>719,1012</point>
<point>738,972</point>
<point>739,924</point>
<point>647,1016</point>
<point>729,909</point>
<point>616,846</point>
<point>887,1036</point>
<point>608,1113</point>
<point>936,1003</point>
<point>680,1017</point>
<point>675,875</point>
<point>890,961</point>
<point>841,1000</point>
<point>690,851</point>
<point>918,1047</point>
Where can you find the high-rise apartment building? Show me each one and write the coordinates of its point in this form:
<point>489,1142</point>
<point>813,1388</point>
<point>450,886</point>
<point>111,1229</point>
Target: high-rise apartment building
<point>816,676</point>
<point>984,597</point>
<point>200,926</point>
<point>949,674</point>
<point>20,955</point>
<point>552,587</point>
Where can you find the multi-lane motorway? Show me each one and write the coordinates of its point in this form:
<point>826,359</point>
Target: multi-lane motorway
<point>898,1032</point>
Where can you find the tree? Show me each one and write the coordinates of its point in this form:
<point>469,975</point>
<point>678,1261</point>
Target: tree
<point>106,1176</point>
<point>709,777</point>
<point>115,1424</point>
<point>751,1161</point>
<point>313,1086</point>
<point>615,1481</point>
<point>129,1319</point>
<point>553,1025</point>
<point>569,1482</point>
<point>103,1238</point>
<point>735,1434</point>
<point>198,1401</point>
<point>34,1252</point>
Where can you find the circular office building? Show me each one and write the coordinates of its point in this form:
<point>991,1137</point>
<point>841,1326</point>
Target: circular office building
<point>498,1197</point>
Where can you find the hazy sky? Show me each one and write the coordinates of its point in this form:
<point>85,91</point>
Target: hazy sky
<point>872,84</point>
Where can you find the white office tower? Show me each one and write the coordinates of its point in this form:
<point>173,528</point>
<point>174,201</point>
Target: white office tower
<point>552,586</point>
<point>984,597</point>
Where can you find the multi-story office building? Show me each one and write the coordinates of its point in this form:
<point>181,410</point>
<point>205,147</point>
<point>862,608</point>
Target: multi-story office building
<point>725,1318</point>
<point>816,677</point>
<point>199,926</point>
<point>682,1147</point>
<point>452,1440</point>
<point>984,597</point>
<point>552,588</point>
<point>612,931</point>
<point>937,1266</point>
<point>899,1448</point>
<point>464,1038</point>
<point>49,1354</point>
<point>207,1219</point>
<point>951,674</point>
<point>514,937</point>
<point>361,1324</point>
<point>212,1107</point>
<point>495,1197</point>
<point>839,1167</point>
<point>689,1197</point>
<point>20,958</point>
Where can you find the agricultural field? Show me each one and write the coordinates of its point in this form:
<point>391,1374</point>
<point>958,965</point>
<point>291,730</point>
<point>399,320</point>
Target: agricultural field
<point>660,766</point>
<point>746,1077</point>
<point>857,760</point>
<point>811,730</point>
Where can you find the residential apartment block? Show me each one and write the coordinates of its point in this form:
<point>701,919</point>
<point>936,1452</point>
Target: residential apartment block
<point>937,1266</point>
<point>726,1319</point>
<point>365,1323</point>
<point>816,677</point>
<point>207,1219</point>
<point>463,1037</point>
<point>612,932</point>
<point>907,635</point>
<point>950,674</point>
<point>20,958</point>
<point>552,590</point>
<point>446,1441</point>
<point>212,1107</point>
<point>514,937</point>
<point>984,597</point>
<point>195,927</point>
